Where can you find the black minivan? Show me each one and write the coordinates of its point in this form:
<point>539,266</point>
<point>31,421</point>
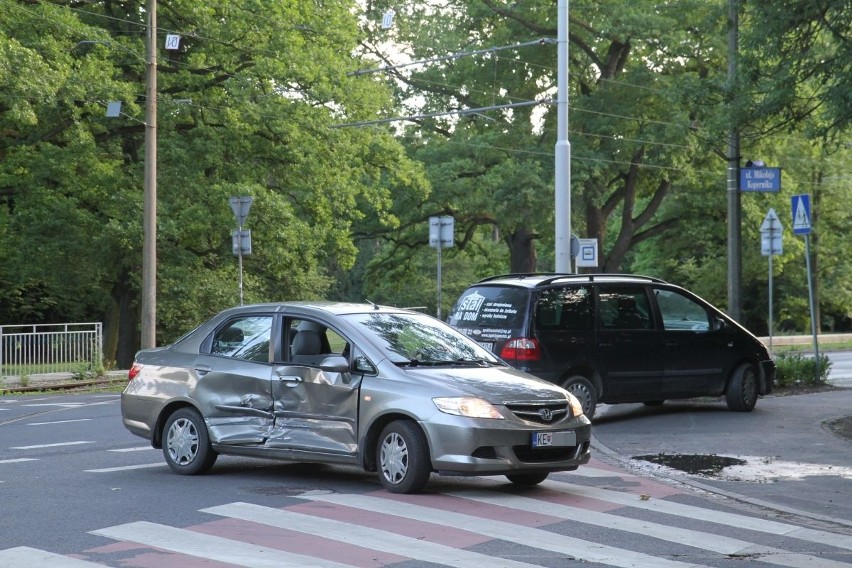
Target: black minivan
<point>612,338</point>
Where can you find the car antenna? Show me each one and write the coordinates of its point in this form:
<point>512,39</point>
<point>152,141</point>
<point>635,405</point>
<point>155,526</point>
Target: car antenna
<point>375,306</point>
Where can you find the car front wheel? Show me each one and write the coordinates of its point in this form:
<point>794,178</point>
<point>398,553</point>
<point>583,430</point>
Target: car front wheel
<point>403,458</point>
<point>584,390</point>
<point>186,445</point>
<point>741,394</point>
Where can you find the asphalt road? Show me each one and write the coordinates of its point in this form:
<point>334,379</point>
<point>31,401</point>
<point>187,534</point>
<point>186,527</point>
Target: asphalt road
<point>76,489</point>
<point>840,373</point>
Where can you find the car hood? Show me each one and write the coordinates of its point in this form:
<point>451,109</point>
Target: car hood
<point>494,384</point>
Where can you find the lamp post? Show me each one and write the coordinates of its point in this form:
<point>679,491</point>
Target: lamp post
<point>149,222</point>
<point>562,181</point>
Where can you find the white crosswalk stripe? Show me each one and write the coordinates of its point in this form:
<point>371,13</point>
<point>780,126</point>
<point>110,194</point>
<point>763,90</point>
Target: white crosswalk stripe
<point>461,528</point>
<point>26,557</point>
<point>366,537</point>
<point>216,548</point>
<point>569,546</point>
<point>709,515</point>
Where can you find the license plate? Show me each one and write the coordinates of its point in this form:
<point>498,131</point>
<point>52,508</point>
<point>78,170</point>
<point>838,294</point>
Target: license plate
<point>553,439</point>
<point>489,346</point>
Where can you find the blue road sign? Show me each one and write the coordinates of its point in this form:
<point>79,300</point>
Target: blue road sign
<point>801,207</point>
<point>760,179</point>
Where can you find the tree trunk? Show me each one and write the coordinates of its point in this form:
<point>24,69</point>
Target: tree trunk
<point>522,249</point>
<point>122,325</point>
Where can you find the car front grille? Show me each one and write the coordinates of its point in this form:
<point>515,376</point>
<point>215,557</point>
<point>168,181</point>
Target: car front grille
<point>529,454</point>
<point>543,412</point>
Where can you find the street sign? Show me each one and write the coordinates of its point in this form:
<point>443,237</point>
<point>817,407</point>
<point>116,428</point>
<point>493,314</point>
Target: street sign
<point>588,254</point>
<point>241,242</point>
<point>240,206</point>
<point>801,208</point>
<point>770,234</point>
<point>760,179</point>
<point>441,231</point>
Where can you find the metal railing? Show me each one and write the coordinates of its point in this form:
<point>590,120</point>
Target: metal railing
<point>50,348</point>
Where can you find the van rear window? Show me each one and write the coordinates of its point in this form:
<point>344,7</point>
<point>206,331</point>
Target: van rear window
<point>494,310</point>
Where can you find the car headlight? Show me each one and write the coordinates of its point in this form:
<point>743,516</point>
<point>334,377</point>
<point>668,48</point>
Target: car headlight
<point>467,406</point>
<point>575,404</point>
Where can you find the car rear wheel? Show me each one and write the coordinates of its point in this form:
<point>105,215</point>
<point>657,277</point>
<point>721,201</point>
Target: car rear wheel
<point>186,445</point>
<point>527,479</point>
<point>741,394</point>
<point>403,458</point>
<point>584,390</point>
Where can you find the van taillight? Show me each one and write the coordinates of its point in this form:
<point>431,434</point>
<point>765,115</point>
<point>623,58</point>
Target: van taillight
<point>134,370</point>
<point>521,349</point>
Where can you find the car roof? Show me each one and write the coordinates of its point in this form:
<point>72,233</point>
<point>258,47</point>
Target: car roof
<point>542,279</point>
<point>317,307</point>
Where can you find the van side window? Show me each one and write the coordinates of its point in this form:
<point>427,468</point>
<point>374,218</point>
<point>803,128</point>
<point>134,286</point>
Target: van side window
<point>567,309</point>
<point>680,312</point>
<point>624,307</point>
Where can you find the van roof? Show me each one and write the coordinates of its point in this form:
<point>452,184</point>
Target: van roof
<point>541,279</point>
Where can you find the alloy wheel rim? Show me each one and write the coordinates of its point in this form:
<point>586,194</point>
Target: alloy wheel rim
<point>394,458</point>
<point>182,441</point>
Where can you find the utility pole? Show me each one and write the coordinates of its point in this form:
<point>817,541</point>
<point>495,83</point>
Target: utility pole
<point>562,180</point>
<point>149,219</point>
<point>734,203</point>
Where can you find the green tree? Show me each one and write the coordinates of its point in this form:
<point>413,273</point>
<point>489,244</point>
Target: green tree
<point>247,106</point>
<point>644,79</point>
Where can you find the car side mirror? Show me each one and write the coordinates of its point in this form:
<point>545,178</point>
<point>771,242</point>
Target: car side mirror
<point>718,323</point>
<point>335,364</point>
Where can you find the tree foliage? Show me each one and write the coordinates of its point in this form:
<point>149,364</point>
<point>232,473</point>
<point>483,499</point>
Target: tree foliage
<point>247,106</point>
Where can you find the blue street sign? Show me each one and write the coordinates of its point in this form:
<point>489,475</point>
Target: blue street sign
<point>760,179</point>
<point>801,207</point>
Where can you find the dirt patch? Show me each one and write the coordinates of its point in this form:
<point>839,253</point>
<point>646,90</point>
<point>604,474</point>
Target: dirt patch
<point>841,426</point>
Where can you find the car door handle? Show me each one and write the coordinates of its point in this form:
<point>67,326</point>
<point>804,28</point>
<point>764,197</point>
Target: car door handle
<point>289,379</point>
<point>202,370</point>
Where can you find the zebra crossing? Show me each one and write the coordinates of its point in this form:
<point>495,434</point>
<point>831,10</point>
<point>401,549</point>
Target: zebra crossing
<point>597,516</point>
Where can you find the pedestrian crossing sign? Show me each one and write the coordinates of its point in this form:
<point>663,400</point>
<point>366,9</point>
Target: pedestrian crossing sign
<point>801,207</point>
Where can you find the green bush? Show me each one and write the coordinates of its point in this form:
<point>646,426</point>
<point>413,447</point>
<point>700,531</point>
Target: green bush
<point>794,369</point>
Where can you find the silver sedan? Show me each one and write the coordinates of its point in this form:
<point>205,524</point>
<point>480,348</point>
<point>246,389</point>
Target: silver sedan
<point>388,390</point>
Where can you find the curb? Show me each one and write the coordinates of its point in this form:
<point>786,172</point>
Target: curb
<point>685,480</point>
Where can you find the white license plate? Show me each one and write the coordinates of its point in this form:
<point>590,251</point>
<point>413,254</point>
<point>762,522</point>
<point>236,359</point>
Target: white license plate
<point>553,439</point>
<point>489,346</point>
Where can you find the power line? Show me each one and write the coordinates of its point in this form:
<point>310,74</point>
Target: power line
<point>458,55</point>
<point>437,114</point>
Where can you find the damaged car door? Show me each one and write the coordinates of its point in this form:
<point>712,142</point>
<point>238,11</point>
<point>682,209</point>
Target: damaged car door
<point>234,381</point>
<point>315,395</point>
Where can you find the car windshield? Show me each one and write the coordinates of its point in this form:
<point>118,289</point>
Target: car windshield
<point>417,339</point>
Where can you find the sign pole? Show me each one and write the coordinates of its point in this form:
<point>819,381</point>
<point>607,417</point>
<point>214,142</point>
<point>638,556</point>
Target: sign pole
<point>812,305</point>
<point>801,208</point>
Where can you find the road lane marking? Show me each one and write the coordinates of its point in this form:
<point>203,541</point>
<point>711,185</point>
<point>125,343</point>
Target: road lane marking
<point>710,515</point>
<point>136,449</point>
<point>126,467</point>
<point>40,446</point>
<point>16,460</point>
<point>58,422</point>
<point>26,557</point>
<point>216,548</point>
<point>579,549</point>
<point>366,537</point>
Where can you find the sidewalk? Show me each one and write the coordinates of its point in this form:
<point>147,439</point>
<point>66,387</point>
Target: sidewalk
<point>59,381</point>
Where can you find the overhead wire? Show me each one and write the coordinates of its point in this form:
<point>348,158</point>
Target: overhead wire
<point>518,102</point>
